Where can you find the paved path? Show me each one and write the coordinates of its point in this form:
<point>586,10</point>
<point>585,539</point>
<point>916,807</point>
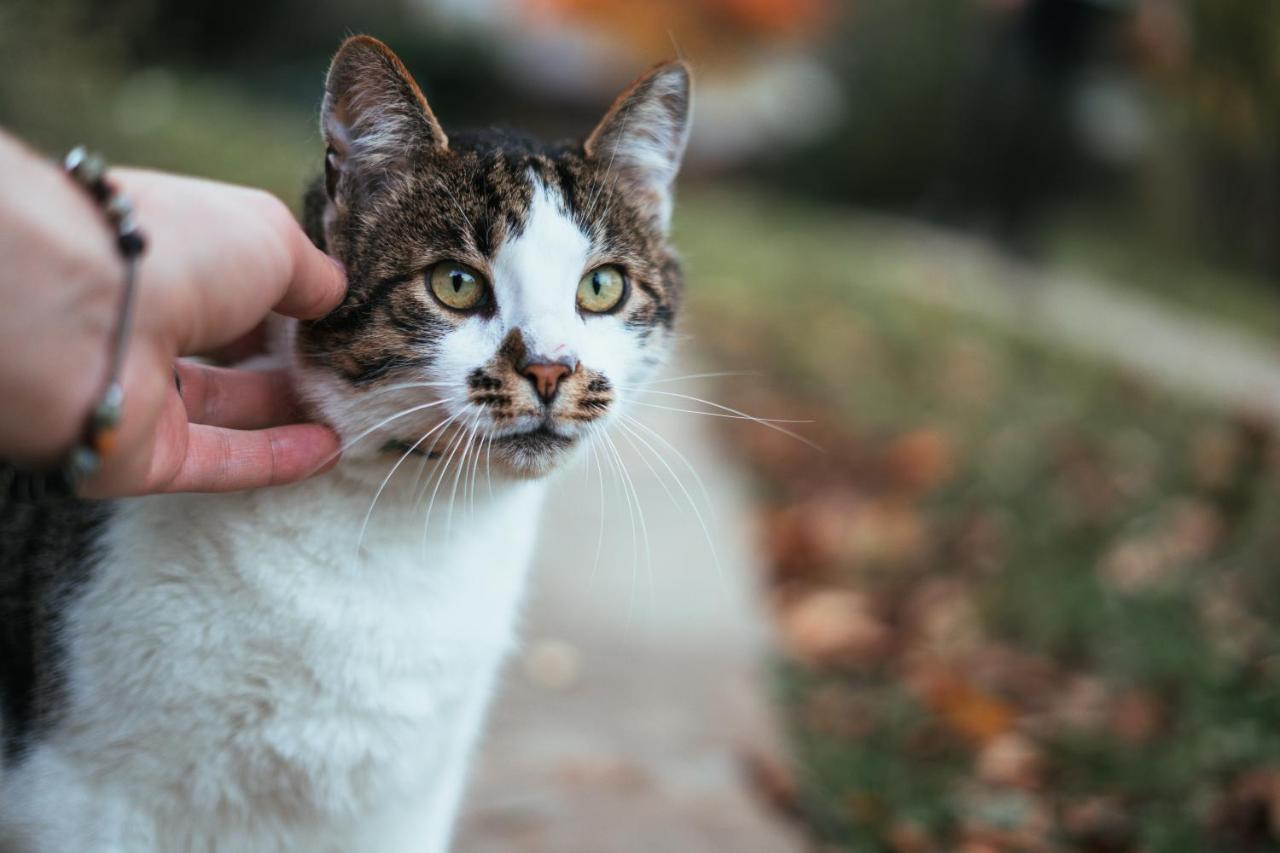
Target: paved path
<point>1186,352</point>
<point>622,725</point>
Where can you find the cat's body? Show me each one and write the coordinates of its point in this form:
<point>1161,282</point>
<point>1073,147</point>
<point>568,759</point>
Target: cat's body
<point>307,668</point>
<point>232,685</point>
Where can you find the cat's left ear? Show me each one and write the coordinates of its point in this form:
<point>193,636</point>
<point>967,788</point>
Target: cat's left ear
<point>643,136</point>
<point>374,118</point>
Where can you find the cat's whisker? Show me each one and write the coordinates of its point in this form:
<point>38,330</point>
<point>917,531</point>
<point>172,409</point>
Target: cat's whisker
<point>697,478</point>
<point>595,456</point>
<point>475,470</point>
<point>620,489</point>
<point>437,477</point>
<point>449,440</point>
<point>690,376</point>
<point>377,494</point>
<point>472,462</point>
<point>488,465</point>
<point>482,438</point>
<point>769,423</point>
<point>765,421</point>
<point>387,479</point>
<point>427,458</point>
<point>452,452</point>
<point>460,474</point>
<point>407,386</point>
<point>456,451</point>
<point>706,530</point>
<point>634,500</point>
<point>667,491</point>
<point>351,442</point>
<point>691,398</point>
<point>468,475</point>
<point>631,442</point>
<point>630,437</point>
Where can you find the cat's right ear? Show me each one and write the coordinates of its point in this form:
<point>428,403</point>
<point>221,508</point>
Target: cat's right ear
<point>374,119</point>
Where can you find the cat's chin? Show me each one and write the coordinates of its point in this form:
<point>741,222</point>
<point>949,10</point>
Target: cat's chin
<point>535,453</point>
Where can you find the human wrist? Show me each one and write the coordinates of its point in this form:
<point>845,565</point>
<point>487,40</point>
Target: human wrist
<point>63,283</point>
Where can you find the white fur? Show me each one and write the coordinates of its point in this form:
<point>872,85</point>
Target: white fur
<point>242,680</point>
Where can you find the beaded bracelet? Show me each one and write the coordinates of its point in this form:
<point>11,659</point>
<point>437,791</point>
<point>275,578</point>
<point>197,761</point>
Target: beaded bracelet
<point>98,438</point>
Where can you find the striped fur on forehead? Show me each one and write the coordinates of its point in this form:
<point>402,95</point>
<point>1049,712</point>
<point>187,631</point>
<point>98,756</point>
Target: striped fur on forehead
<point>462,204</point>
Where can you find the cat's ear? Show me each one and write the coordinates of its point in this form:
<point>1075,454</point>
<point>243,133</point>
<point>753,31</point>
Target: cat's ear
<point>374,117</point>
<point>642,137</point>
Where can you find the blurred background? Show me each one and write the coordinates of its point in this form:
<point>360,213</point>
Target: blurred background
<point>1015,262</point>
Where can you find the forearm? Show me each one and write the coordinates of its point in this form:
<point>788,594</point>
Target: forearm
<point>59,287</point>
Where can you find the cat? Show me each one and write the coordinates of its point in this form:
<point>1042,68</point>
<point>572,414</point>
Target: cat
<point>308,667</point>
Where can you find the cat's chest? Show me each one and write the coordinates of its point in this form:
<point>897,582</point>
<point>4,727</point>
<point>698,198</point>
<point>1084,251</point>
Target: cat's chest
<point>262,624</point>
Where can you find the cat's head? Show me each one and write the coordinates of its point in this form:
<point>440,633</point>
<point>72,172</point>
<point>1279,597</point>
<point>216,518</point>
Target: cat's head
<point>512,290</point>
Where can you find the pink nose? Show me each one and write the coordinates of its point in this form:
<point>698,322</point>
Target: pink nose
<point>545,378</point>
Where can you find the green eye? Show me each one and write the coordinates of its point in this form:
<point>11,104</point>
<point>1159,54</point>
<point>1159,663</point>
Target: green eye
<point>457,286</point>
<point>602,289</point>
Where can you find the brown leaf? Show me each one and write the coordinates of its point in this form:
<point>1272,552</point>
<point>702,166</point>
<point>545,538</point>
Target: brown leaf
<point>1138,716</point>
<point>943,618</point>
<point>1134,565</point>
<point>883,534</point>
<point>908,837</point>
<point>1083,704</point>
<point>918,462</point>
<point>1011,760</point>
<point>964,708</point>
<point>1098,824</point>
<point>1214,455</point>
<point>832,627</point>
<point>1249,813</point>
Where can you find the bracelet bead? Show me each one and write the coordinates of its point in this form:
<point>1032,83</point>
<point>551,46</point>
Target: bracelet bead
<point>99,437</point>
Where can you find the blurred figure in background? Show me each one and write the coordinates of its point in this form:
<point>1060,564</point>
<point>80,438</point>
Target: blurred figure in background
<point>1026,149</point>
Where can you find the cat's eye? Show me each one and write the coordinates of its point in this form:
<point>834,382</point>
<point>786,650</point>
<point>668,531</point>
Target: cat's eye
<point>457,286</point>
<point>602,289</point>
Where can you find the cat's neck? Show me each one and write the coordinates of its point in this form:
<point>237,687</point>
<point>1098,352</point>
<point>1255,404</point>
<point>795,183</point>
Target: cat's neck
<point>427,502</point>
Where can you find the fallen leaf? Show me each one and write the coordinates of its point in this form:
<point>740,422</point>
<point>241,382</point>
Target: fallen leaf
<point>833,627</point>
<point>1137,717</point>
<point>967,710</point>
<point>1011,760</point>
<point>918,462</point>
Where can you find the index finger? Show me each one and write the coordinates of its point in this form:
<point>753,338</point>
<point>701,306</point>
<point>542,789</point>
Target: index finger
<point>317,283</point>
<point>221,257</point>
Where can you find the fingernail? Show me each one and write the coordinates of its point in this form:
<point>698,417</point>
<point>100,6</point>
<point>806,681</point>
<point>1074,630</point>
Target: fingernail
<point>334,459</point>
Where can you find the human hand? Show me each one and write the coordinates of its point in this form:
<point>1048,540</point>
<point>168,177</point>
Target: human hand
<point>220,258</point>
